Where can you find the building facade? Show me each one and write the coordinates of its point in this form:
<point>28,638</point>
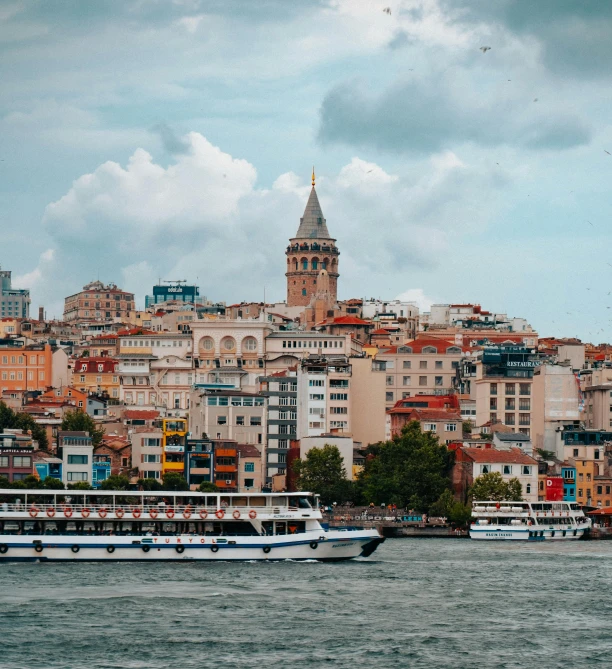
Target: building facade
<point>14,302</point>
<point>25,367</point>
<point>97,302</point>
<point>173,291</point>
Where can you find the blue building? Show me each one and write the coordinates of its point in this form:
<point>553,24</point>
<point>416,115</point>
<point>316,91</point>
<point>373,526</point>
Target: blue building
<point>568,474</point>
<point>173,291</point>
<point>14,302</point>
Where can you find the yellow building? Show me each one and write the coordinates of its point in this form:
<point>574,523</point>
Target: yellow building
<point>174,438</point>
<point>96,375</point>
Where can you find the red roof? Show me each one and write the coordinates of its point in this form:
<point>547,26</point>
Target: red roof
<point>344,320</point>
<point>382,331</point>
<point>494,455</point>
<point>138,414</point>
<point>135,331</point>
<point>419,414</point>
<point>91,365</point>
<point>108,336</point>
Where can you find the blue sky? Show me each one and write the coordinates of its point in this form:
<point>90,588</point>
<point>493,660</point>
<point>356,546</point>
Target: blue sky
<point>147,138</point>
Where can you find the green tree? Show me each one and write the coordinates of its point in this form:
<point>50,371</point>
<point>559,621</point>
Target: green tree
<point>52,483</point>
<point>207,486</point>
<point>31,481</point>
<point>79,485</point>
<point>545,455</point>
<point>115,482</point>
<point>79,421</point>
<point>4,482</point>
<point>149,484</point>
<point>412,470</point>
<point>12,420</point>
<point>323,472</point>
<point>491,486</point>
<point>443,505</point>
<point>174,481</point>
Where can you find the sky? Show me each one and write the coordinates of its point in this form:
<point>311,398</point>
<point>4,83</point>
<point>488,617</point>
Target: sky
<point>174,139</point>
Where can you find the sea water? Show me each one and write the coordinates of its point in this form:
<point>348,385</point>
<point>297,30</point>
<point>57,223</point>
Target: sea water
<point>414,603</point>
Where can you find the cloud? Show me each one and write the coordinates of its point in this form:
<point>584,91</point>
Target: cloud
<point>203,218</point>
<point>434,113</point>
<point>170,141</point>
<point>417,295</point>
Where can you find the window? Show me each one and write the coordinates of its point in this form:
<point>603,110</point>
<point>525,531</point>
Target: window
<point>149,441</point>
<point>439,364</point>
<point>255,420</point>
<point>528,488</point>
<point>339,410</point>
<point>77,476</point>
<point>526,470</point>
<point>438,381</point>
<point>524,404</point>
<point>407,364</point>
<point>493,388</point>
<point>149,457</point>
<point>485,469</point>
<point>507,469</point>
<point>451,427</point>
<point>422,380</point>
<point>493,403</point>
<point>510,388</point>
<point>22,461</point>
<point>575,452</point>
<point>430,427</point>
<point>249,466</point>
<point>221,420</point>
<point>338,396</point>
<point>524,419</point>
<point>580,492</point>
<point>77,459</point>
<point>406,380</point>
<point>510,404</point>
<point>318,383</point>
<point>339,383</point>
<point>524,389</point>
<point>423,364</point>
<point>388,397</point>
<point>599,490</point>
<point>4,460</point>
<point>389,380</point>
<point>596,454</point>
<point>509,419</point>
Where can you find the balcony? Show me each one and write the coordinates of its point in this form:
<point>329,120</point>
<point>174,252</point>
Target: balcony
<point>225,452</point>
<point>173,467</point>
<point>230,469</point>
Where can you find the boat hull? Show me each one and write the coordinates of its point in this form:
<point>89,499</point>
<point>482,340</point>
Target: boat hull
<point>492,533</point>
<point>323,546</point>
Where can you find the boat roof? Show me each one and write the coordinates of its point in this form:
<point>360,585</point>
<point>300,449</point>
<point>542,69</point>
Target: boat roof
<point>150,493</point>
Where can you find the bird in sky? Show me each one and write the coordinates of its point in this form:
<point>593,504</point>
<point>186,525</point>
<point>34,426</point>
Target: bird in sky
<point>610,154</point>
<point>370,171</point>
<point>535,99</point>
<point>484,49</point>
<point>589,222</point>
<point>387,10</point>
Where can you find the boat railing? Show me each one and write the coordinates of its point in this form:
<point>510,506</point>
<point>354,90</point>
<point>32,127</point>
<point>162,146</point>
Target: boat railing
<point>161,511</point>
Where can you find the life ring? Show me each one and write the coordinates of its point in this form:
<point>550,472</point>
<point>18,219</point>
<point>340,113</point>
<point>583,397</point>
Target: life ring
<point>68,512</point>
<point>236,514</point>
<point>202,540</point>
<point>102,512</point>
<point>180,549</point>
<point>214,549</point>
<point>110,549</point>
<point>153,513</point>
<point>85,512</point>
<point>34,511</point>
<point>314,545</point>
<point>497,506</point>
<point>50,512</point>
<point>119,512</point>
<point>220,513</point>
<point>137,512</point>
<point>146,548</point>
<point>187,512</point>
<point>38,548</point>
<point>252,514</point>
<point>266,549</point>
<point>75,549</point>
<point>169,513</point>
<point>203,514</point>
<point>3,548</point>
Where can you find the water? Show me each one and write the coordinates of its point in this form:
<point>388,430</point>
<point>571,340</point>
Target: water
<point>415,603</point>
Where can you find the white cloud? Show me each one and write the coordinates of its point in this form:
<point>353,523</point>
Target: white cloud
<point>417,295</point>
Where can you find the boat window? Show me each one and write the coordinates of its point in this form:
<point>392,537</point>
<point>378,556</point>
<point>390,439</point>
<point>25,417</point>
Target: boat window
<point>257,501</point>
<point>225,501</point>
<point>303,503</point>
<point>239,501</point>
<point>268,527</point>
<point>281,527</point>
<point>279,501</point>
<point>211,501</point>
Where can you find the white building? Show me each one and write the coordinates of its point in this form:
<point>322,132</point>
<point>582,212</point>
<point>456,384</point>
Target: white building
<point>76,452</point>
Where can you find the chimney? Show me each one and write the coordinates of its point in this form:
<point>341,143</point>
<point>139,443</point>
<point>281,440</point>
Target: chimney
<point>41,313</point>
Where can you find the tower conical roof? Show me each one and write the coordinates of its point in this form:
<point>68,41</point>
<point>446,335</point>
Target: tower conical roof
<point>312,223</point>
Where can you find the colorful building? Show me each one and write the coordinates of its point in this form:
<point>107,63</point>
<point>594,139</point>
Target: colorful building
<point>97,302</point>
<point>174,439</point>
<point>25,367</point>
<point>97,375</point>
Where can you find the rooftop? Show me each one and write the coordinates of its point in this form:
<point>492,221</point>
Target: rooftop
<point>312,223</point>
<point>492,455</point>
<point>512,436</point>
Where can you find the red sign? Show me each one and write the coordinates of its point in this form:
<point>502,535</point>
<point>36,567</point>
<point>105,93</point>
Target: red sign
<point>554,489</point>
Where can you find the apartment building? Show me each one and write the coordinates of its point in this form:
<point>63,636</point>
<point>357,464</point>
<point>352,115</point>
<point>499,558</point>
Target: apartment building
<point>14,302</point>
<point>97,302</point>
<point>76,452</point>
<point>96,375</point>
<point>438,414</point>
<point>286,348</point>
<point>147,452</point>
<point>25,367</point>
<point>423,366</point>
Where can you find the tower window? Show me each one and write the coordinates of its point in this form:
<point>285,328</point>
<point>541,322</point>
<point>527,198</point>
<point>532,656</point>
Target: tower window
<point>304,264</point>
<point>303,291</point>
<point>315,264</point>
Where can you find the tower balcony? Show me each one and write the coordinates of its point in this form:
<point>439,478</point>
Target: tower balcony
<point>313,247</point>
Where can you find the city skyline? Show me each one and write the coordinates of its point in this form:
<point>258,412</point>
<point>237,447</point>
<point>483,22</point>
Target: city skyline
<point>456,174</point>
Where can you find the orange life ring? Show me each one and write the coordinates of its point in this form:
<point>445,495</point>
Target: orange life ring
<point>187,513</point>
<point>119,512</point>
<point>153,513</point>
<point>252,514</point>
<point>68,511</point>
<point>137,512</point>
<point>169,513</point>
<point>203,514</point>
<point>497,506</point>
<point>34,511</point>
<point>220,513</point>
<point>236,514</point>
<point>85,512</point>
<point>50,512</point>
<point>102,512</point>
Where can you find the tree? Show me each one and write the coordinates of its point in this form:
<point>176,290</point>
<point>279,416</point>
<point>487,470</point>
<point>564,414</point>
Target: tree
<point>79,485</point>
<point>52,483</point>
<point>174,481</point>
<point>4,482</point>
<point>466,427</point>
<point>31,481</point>
<point>12,420</point>
<point>545,455</point>
<point>411,470</point>
<point>79,421</point>
<point>323,472</point>
<point>447,507</point>
<point>149,484</point>
<point>491,486</point>
<point>115,482</point>
<point>207,486</point>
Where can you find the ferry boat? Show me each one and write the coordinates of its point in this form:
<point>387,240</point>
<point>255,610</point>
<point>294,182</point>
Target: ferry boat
<point>104,525</point>
<point>528,521</point>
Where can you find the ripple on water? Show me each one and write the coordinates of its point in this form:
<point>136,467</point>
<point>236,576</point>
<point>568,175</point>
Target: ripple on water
<point>417,604</point>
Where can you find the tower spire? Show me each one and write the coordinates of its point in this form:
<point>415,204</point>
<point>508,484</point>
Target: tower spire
<point>313,176</point>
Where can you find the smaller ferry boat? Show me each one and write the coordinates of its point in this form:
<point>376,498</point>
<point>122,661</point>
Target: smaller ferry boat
<point>528,521</point>
<point>123,525</point>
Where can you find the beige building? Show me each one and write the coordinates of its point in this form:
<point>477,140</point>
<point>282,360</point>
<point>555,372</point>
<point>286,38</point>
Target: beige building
<point>343,442</point>
<point>367,400</point>
<point>284,349</point>
<point>97,302</point>
<point>597,392</point>
<point>147,444</point>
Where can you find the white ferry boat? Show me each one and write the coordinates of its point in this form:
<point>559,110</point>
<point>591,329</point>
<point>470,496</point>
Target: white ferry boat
<point>528,521</point>
<point>123,525</point>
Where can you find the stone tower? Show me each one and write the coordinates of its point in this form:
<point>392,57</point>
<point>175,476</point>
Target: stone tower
<point>311,250</point>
